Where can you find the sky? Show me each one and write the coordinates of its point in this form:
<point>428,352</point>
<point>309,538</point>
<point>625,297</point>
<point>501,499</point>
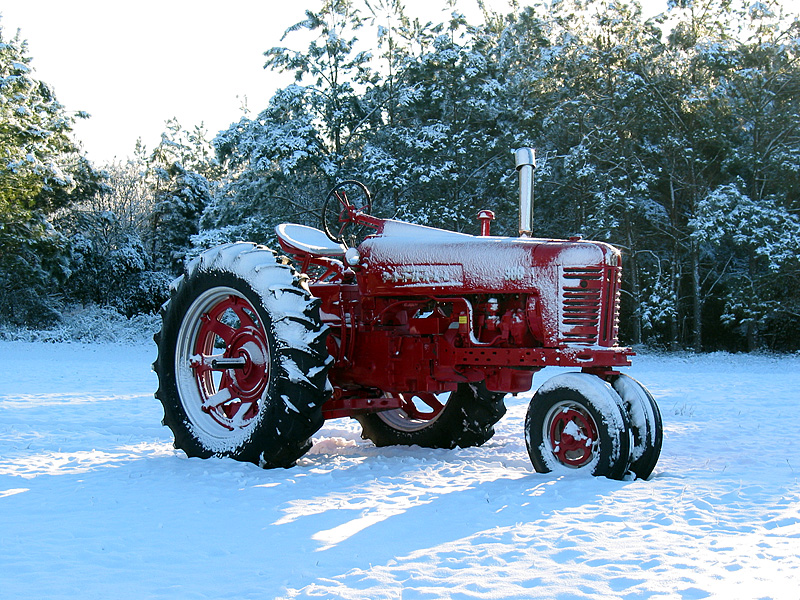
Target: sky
<point>134,65</point>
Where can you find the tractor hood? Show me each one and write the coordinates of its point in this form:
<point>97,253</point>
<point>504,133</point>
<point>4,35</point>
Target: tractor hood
<point>426,260</point>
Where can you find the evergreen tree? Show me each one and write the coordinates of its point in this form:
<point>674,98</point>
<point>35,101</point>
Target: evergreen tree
<point>333,70</point>
<point>442,152</point>
<point>751,212</point>
<point>278,168</point>
<point>181,174</point>
<point>280,164</point>
<point>41,171</point>
<point>179,203</point>
<point>762,246</point>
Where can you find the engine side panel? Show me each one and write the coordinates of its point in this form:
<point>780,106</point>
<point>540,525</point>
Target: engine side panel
<point>427,312</point>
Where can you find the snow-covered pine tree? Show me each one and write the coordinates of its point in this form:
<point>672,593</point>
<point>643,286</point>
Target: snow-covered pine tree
<point>181,172</point>
<point>443,151</point>
<point>41,170</point>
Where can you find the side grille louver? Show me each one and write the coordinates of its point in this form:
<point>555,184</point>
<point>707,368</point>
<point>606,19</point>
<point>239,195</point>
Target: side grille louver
<point>610,326</point>
<point>590,305</point>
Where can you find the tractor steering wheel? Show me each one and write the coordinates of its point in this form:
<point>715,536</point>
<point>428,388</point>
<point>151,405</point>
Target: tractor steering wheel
<point>343,204</point>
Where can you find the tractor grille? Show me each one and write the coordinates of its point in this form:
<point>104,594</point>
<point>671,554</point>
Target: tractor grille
<point>610,325</point>
<point>581,305</point>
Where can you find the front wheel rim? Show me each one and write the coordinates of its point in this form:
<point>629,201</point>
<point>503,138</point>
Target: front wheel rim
<point>571,434</point>
<point>222,402</point>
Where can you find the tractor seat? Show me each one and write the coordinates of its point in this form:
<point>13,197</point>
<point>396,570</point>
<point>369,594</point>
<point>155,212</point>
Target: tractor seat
<point>301,239</point>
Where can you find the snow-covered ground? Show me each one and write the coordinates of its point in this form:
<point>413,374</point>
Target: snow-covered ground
<point>95,503</point>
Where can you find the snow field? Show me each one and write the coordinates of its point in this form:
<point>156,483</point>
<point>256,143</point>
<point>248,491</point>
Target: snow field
<point>95,502</point>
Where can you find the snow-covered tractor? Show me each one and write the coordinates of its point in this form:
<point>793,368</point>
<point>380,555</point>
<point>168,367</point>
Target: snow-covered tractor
<point>418,333</point>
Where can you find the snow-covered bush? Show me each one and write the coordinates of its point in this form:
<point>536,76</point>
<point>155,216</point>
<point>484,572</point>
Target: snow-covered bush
<point>89,324</point>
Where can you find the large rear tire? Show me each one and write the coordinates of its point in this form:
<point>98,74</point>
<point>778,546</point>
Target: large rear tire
<point>577,421</point>
<point>466,418</point>
<point>242,362</point>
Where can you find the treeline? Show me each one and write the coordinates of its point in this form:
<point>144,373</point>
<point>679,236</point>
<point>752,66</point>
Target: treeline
<point>675,138</point>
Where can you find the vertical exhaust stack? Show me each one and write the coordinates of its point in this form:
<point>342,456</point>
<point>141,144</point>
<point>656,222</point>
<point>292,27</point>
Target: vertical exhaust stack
<point>526,161</point>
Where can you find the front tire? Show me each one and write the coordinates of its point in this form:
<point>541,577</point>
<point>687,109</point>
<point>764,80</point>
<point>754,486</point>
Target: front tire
<point>242,362</point>
<point>645,419</point>
<point>577,421</point>
<point>466,418</point>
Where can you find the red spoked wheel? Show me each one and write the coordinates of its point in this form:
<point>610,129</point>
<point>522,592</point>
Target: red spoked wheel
<point>340,210</point>
<point>571,434</point>
<point>230,383</point>
<point>232,379</point>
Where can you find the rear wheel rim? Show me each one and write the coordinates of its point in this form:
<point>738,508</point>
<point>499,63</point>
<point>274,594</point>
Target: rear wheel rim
<point>571,434</point>
<point>419,411</point>
<point>221,402</point>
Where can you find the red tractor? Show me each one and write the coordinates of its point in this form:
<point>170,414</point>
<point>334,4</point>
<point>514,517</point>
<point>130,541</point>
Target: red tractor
<point>416,332</point>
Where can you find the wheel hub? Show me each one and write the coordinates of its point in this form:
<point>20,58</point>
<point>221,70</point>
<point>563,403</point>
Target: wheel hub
<point>251,380</point>
<point>572,435</point>
<point>231,384</point>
